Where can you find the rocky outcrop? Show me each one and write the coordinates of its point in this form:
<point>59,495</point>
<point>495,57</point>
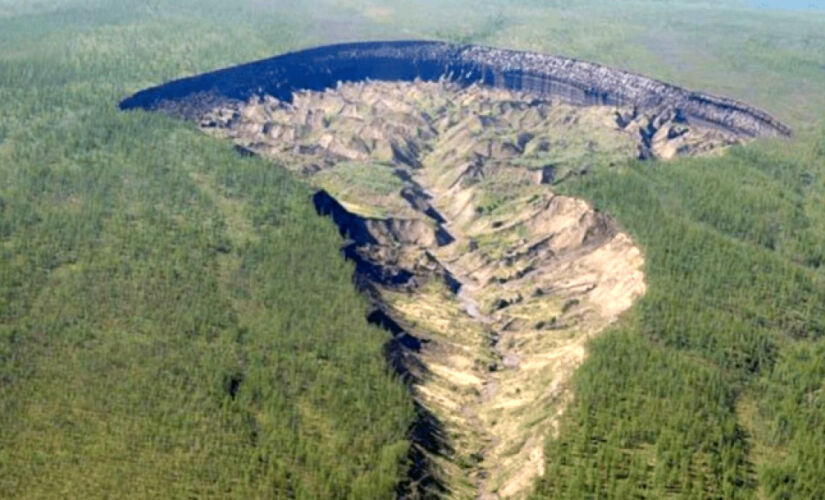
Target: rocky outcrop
<point>547,76</point>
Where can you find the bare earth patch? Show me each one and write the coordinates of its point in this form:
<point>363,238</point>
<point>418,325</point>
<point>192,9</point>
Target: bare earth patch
<point>446,193</point>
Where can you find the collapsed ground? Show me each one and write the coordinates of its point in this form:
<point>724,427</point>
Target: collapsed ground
<point>490,282</point>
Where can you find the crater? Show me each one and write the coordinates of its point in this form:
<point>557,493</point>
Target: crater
<point>438,164</point>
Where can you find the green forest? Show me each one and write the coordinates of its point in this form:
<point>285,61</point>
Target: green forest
<point>715,386</point>
<point>176,321</point>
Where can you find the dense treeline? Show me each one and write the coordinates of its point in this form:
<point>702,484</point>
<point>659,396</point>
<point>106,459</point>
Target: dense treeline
<point>715,387</point>
<point>175,321</point>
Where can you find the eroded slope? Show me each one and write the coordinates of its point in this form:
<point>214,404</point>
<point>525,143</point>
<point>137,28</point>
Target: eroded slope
<point>492,283</point>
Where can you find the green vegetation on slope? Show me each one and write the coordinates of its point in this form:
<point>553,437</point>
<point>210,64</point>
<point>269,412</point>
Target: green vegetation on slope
<point>175,321</point>
<point>715,386</point>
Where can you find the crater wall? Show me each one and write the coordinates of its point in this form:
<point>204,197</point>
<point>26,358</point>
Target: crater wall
<point>547,76</point>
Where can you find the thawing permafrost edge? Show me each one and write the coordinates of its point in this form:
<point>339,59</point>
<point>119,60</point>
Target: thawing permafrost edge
<point>489,281</point>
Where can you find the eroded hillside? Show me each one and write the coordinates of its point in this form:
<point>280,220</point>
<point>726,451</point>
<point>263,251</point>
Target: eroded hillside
<point>490,282</point>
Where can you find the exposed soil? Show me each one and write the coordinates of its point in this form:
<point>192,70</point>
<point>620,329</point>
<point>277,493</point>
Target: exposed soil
<point>492,283</point>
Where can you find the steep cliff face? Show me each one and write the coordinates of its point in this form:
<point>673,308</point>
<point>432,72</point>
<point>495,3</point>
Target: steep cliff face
<point>547,76</point>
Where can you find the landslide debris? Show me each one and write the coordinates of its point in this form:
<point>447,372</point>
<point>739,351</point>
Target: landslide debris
<point>492,282</point>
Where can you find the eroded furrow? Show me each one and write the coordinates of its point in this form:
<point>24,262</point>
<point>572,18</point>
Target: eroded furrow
<point>490,282</point>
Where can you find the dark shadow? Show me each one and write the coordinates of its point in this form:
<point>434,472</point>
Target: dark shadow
<point>349,225</point>
<point>427,434</point>
<point>544,76</point>
<point>423,479</point>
